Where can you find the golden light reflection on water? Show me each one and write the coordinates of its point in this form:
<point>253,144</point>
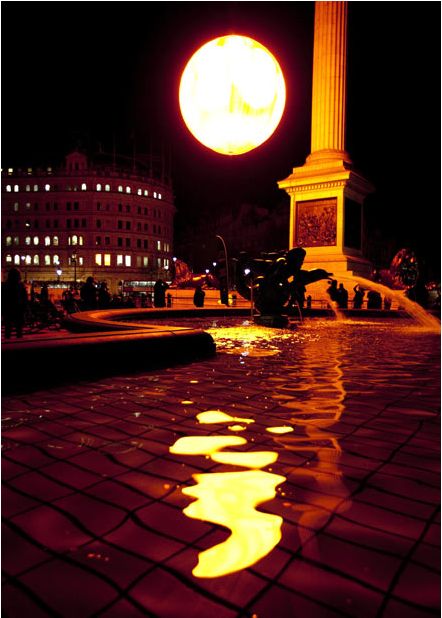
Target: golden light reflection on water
<point>217,416</point>
<point>229,499</point>
<point>280,430</point>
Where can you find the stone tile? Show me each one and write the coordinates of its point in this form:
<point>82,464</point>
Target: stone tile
<point>282,603</point>
<point>419,586</point>
<point>69,590</point>
<point>332,589</point>
<point>117,493</point>
<point>172,522</point>
<point>94,515</point>
<point>38,486</point>
<point>142,542</point>
<point>14,502</point>
<point>16,603</point>
<point>52,529</point>
<point>153,592</point>
<point>18,554</point>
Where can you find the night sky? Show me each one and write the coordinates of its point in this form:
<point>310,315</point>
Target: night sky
<point>84,73</point>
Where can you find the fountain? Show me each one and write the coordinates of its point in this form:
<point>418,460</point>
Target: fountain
<point>275,284</point>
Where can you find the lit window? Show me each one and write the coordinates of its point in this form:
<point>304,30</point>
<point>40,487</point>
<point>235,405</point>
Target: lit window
<point>98,259</point>
<point>128,189</point>
<point>8,258</point>
<point>47,260</point>
<point>29,170</point>
<point>146,192</point>
<point>36,240</point>
<point>154,193</point>
<point>80,261</point>
<point>120,189</point>
<point>27,240</point>
<point>83,186</point>
<point>28,205</point>
<point>36,189</point>
<point>16,206</point>
<point>159,196</point>
<point>107,259</point>
<point>145,260</point>
<point>28,187</point>
<point>159,245</point>
<point>74,240</point>
<point>119,260</point>
<point>166,263</point>
<point>47,187</point>
<point>47,240</point>
<point>36,260</point>
<point>16,240</point>
<point>98,187</point>
<point>56,259</point>
<point>10,170</point>
<point>159,262</point>
<point>8,241</point>
<point>80,240</point>
<point>107,187</point>
<point>127,260</point>
<point>16,259</point>
<point>16,188</point>
<point>139,192</point>
<point>55,240</point>
<point>28,259</point>
<point>8,188</point>
<point>138,260</point>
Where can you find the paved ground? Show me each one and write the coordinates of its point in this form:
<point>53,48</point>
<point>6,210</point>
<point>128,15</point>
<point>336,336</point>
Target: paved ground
<point>93,498</point>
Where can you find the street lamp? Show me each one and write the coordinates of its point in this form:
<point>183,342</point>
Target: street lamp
<point>74,261</point>
<point>227,265</point>
<point>247,271</point>
<point>59,272</point>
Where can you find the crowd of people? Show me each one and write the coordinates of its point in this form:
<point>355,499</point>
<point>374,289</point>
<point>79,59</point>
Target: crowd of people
<point>339,295</point>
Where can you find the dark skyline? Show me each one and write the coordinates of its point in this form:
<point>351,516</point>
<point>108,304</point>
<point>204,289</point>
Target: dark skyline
<point>80,74</point>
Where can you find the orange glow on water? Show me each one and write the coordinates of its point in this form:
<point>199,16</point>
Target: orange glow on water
<point>204,445</point>
<point>280,430</point>
<point>253,459</point>
<point>232,94</point>
<point>229,499</point>
<point>216,416</point>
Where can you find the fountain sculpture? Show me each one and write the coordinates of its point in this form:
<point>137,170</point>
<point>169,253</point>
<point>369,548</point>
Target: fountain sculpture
<point>275,283</point>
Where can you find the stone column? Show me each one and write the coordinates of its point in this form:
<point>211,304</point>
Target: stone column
<point>326,194</point>
<point>329,81</point>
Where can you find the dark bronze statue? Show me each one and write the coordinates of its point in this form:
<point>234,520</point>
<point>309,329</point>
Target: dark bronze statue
<point>275,282</point>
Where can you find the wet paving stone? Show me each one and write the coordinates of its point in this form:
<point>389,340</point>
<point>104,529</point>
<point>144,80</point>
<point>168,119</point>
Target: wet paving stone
<point>98,521</point>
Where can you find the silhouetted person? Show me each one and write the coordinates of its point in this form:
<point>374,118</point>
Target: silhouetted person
<point>342,297</point>
<point>198,297</point>
<point>169,299</point>
<point>358,298</point>
<point>88,294</point>
<point>224,295</point>
<point>374,300</point>
<point>332,290</point>
<point>14,303</point>
<point>44,294</point>
<point>309,302</point>
<point>104,296</point>
<point>159,293</point>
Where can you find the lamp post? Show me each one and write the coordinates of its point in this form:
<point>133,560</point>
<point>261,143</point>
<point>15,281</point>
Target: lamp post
<point>74,261</point>
<point>59,272</point>
<point>247,271</point>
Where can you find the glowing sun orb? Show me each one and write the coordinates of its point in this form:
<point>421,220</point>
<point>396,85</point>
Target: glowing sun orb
<point>232,94</point>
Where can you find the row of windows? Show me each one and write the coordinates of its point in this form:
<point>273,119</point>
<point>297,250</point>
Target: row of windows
<point>105,259</point>
<point>75,206</point>
<point>101,259</point>
<point>97,187</point>
<point>77,223</point>
<point>47,260</point>
<point>79,240</point>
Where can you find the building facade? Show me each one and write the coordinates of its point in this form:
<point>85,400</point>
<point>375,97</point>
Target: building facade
<point>111,219</point>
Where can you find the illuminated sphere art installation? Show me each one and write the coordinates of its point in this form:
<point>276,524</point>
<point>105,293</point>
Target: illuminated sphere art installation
<point>232,94</point>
